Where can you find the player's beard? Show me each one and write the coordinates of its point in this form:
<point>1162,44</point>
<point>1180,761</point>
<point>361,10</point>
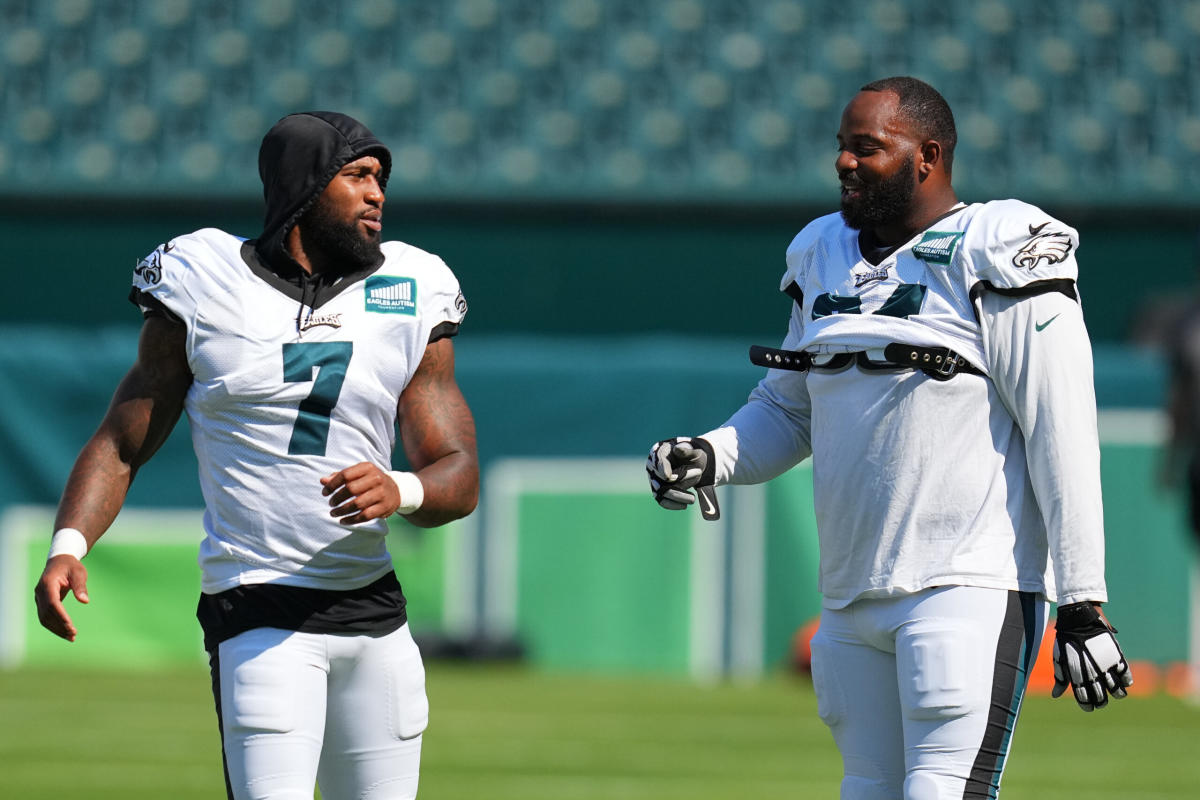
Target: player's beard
<point>884,202</point>
<point>342,244</point>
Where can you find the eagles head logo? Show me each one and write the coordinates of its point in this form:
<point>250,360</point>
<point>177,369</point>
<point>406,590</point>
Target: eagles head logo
<point>149,269</point>
<point>1051,247</point>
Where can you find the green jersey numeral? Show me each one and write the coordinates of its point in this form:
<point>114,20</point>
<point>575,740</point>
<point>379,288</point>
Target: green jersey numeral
<point>904,301</point>
<point>329,359</point>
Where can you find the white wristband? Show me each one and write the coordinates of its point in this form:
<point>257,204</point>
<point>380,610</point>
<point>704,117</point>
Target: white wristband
<point>412,491</point>
<point>68,541</point>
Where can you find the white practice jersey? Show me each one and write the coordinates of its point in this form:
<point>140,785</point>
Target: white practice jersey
<point>980,481</point>
<point>284,394</point>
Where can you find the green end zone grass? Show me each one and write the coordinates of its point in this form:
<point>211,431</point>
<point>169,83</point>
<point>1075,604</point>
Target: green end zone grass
<point>507,733</point>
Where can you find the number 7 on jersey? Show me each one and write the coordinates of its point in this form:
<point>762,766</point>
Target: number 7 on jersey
<point>329,359</point>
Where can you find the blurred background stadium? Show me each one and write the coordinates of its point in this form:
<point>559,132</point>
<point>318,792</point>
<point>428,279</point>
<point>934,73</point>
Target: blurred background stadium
<point>614,182</point>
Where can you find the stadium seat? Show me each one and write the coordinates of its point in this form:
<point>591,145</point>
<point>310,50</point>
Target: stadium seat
<point>578,15</point>
<point>588,96</point>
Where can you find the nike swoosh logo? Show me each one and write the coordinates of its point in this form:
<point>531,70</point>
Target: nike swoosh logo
<point>706,506</point>
<point>1035,231</point>
<point>1041,326</point>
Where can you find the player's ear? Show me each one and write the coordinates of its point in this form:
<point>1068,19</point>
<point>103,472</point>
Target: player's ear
<point>929,158</point>
<point>931,154</point>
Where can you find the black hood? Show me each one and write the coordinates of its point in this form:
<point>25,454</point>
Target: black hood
<point>297,159</point>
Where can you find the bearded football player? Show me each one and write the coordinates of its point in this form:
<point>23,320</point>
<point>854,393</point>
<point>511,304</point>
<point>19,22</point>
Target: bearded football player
<point>938,372</point>
<point>295,356</point>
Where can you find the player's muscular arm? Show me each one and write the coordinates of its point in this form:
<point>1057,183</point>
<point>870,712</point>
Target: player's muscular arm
<point>143,411</point>
<point>438,433</point>
<point>439,440</point>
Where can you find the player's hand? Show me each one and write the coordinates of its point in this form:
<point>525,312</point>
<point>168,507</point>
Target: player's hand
<point>677,467</point>
<point>63,573</point>
<point>1088,658</point>
<point>360,493</point>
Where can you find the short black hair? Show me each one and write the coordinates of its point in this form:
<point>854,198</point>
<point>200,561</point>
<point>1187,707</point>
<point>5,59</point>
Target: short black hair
<point>924,106</point>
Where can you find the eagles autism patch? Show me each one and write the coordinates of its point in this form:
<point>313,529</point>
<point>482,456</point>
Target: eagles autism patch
<point>387,295</point>
<point>937,247</point>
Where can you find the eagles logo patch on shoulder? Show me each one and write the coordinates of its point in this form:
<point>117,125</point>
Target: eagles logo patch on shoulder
<point>148,271</point>
<point>1050,247</point>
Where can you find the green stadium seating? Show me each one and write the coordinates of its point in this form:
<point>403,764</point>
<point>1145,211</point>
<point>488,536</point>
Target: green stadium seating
<point>1082,101</point>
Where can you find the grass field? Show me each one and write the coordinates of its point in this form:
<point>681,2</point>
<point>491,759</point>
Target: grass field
<point>504,733</point>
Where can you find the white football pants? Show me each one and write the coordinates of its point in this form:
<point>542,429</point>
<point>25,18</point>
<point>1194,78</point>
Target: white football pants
<point>344,711</point>
<point>922,691</point>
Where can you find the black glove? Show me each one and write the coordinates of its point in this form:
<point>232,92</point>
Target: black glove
<point>677,466</point>
<point>1088,658</point>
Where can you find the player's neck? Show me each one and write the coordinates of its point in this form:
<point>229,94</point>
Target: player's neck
<point>293,245</point>
<point>923,213</point>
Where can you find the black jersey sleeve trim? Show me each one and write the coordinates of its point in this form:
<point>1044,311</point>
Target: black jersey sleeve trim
<point>794,291</point>
<point>150,305</point>
<point>443,331</point>
<point>1064,285</point>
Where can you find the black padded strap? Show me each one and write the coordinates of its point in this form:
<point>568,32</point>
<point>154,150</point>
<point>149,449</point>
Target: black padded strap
<point>774,358</point>
<point>940,363</point>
